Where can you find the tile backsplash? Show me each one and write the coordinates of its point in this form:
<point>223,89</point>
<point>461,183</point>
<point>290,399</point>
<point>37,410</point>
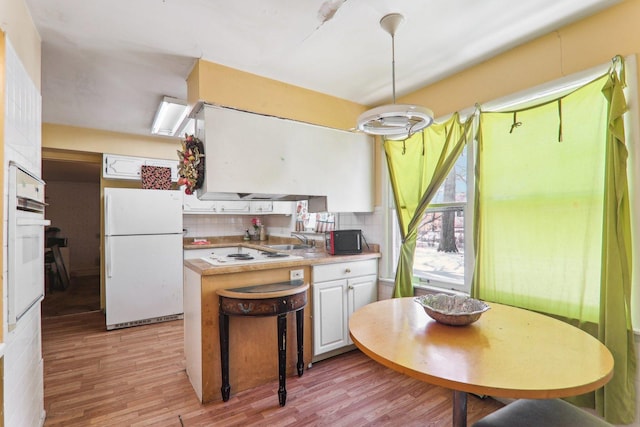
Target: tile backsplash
<point>235,225</point>
<point>278,225</point>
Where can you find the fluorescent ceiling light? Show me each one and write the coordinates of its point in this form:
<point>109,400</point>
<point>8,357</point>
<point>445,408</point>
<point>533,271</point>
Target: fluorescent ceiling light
<point>394,121</point>
<point>169,117</point>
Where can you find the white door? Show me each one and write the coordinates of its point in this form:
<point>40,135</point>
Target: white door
<point>360,292</point>
<point>143,277</point>
<point>131,211</point>
<point>329,316</point>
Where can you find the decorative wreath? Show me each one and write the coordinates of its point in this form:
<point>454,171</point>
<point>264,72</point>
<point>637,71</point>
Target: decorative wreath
<point>191,168</point>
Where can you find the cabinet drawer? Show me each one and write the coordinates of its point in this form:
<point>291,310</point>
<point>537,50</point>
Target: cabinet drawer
<point>344,270</point>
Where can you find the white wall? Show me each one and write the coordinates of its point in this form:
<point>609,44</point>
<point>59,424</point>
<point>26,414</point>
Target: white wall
<point>23,381</point>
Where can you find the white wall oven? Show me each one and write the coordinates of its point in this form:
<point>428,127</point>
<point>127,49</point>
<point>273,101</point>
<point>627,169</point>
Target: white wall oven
<point>25,233</point>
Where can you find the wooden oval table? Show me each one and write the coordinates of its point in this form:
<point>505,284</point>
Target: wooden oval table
<point>508,352</point>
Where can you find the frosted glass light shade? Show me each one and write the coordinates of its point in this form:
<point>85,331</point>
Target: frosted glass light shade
<point>395,120</point>
<point>170,117</point>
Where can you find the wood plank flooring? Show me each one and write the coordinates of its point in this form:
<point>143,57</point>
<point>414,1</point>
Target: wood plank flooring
<point>82,295</point>
<point>136,377</point>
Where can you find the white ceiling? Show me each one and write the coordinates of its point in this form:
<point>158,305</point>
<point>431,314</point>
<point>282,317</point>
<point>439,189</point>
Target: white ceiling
<point>107,64</point>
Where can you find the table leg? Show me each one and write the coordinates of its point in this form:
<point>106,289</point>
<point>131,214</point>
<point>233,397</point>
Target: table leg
<point>459,409</point>
<point>282,358</point>
<point>224,355</point>
<point>299,339</point>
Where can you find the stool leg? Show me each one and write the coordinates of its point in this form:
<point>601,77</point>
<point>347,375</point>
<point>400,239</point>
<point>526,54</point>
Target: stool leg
<point>224,355</point>
<point>282,358</point>
<point>299,339</point>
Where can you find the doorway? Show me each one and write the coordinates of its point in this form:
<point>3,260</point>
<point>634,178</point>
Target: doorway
<point>72,193</point>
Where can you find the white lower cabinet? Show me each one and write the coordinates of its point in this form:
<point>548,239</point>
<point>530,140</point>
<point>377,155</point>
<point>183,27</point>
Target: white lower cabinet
<point>339,290</point>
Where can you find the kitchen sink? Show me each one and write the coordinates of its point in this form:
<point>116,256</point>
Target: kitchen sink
<point>289,247</point>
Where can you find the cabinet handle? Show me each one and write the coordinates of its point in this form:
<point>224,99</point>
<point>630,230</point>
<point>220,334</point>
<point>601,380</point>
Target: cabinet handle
<point>347,270</point>
<point>350,287</point>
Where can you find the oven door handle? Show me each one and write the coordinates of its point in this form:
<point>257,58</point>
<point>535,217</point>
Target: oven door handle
<point>32,221</point>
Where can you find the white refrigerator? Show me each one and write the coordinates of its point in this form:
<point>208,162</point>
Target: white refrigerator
<point>143,256</point>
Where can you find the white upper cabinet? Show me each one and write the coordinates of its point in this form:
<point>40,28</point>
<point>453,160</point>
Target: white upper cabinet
<point>234,207</point>
<point>252,153</point>
<point>115,166</point>
<point>192,205</point>
<point>264,207</point>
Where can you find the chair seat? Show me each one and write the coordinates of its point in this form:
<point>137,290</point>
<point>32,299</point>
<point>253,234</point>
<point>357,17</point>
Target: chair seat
<point>541,412</point>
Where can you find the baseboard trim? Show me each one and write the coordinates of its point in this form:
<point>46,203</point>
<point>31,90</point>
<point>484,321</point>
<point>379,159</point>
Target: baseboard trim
<point>91,271</point>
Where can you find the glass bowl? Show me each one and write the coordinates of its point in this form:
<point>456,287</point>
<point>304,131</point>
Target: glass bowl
<point>454,310</point>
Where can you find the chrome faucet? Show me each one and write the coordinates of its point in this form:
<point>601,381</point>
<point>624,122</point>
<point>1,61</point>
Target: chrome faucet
<point>304,239</point>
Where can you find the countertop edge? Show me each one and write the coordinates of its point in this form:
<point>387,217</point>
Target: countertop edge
<point>205,269</point>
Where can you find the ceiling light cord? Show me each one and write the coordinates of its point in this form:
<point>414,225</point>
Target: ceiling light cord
<point>393,66</point>
<point>394,121</point>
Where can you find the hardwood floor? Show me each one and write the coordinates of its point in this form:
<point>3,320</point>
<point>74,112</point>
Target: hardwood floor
<point>136,377</point>
<point>82,295</point>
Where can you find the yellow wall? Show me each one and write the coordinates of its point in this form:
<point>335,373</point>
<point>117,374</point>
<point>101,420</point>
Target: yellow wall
<point>590,42</point>
<point>217,84</point>
<point>16,22</point>
<point>70,138</point>
<point>226,86</point>
<point>577,47</point>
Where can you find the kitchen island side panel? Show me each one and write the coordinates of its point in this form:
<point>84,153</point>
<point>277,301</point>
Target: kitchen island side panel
<point>253,341</point>
<point>193,329</point>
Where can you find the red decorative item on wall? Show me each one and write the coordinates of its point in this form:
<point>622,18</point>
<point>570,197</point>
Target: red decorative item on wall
<point>155,177</point>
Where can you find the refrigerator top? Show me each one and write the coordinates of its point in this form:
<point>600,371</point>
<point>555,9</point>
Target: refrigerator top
<point>130,211</point>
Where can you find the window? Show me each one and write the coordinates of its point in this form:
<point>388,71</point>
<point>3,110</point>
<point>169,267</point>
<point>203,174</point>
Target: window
<point>427,270</point>
<point>439,259</point>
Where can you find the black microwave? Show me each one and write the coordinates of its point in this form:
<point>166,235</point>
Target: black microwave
<point>343,242</point>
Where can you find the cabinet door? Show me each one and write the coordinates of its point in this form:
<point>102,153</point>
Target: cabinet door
<point>231,207</point>
<point>128,167</point>
<point>262,207</point>
<point>284,208</point>
<point>121,167</point>
<point>329,316</point>
<point>192,205</point>
<point>360,292</point>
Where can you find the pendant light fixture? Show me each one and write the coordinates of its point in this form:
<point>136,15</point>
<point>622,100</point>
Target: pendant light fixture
<point>394,121</point>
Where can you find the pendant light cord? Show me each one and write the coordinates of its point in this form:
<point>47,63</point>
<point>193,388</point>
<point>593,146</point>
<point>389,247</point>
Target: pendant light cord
<point>393,66</point>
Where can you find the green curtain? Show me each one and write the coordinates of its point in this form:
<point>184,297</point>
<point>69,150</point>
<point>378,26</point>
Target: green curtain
<point>417,168</point>
<point>551,223</point>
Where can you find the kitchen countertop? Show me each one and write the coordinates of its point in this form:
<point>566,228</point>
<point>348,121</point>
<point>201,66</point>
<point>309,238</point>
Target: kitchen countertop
<point>314,256</point>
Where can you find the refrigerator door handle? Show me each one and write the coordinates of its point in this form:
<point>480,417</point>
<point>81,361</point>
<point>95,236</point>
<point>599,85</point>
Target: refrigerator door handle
<point>108,255</point>
<point>107,209</point>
